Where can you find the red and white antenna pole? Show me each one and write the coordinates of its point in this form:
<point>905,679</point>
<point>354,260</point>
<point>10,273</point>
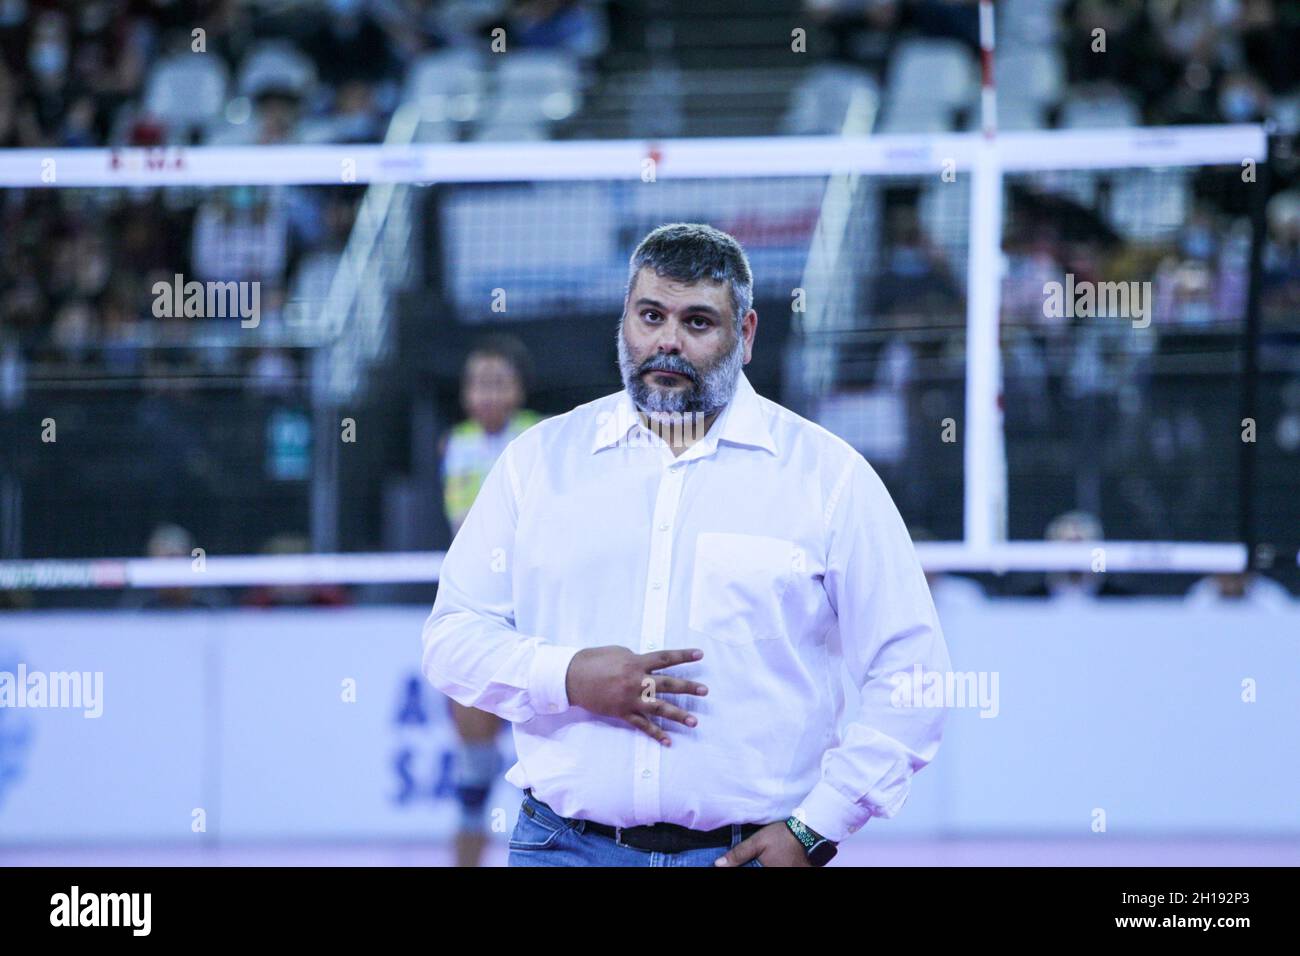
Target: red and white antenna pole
<point>988,89</point>
<point>985,499</point>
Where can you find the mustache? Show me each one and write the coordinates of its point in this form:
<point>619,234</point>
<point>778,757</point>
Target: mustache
<point>669,363</point>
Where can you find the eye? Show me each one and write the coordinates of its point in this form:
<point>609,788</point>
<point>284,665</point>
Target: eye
<point>703,320</point>
<point>648,313</point>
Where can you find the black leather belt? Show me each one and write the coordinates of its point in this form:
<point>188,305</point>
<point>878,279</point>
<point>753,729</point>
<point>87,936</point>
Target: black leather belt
<point>661,837</point>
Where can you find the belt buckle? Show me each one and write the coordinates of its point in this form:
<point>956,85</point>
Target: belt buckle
<point>618,838</point>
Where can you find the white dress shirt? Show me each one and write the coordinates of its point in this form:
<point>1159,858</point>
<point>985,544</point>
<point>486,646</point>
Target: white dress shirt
<point>770,544</point>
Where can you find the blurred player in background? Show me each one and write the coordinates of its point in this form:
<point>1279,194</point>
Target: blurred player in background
<point>493,390</point>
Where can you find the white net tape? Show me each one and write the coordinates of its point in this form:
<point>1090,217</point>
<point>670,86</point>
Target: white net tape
<point>423,566</point>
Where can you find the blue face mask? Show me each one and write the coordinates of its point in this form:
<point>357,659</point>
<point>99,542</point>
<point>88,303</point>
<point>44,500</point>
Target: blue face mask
<point>48,58</point>
<point>78,138</point>
<point>1197,244</point>
<point>1238,105</point>
<point>1195,313</point>
<point>907,261</point>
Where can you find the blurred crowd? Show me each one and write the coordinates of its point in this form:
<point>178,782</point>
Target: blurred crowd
<point>76,271</point>
<point>118,72</point>
<point>78,267</point>
<point>1171,61</point>
<point>1189,61</point>
<point>107,72</point>
<point>1117,415</point>
<point>80,270</point>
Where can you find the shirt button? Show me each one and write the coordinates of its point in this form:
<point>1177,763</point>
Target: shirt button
<point>650,646</point>
<point>646,772</point>
<point>663,526</point>
<point>657,585</point>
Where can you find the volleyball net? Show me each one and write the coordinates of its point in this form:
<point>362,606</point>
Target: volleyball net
<point>261,345</point>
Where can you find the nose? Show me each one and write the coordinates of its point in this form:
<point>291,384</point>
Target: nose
<point>668,339</point>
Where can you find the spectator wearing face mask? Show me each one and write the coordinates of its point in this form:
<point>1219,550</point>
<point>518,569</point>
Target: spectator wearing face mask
<point>240,236</point>
<point>1280,295</point>
<point>1243,98</point>
<point>555,25</point>
<point>1186,280</point>
<point>47,96</point>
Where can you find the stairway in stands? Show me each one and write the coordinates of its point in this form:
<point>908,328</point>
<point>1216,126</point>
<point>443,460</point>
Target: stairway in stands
<point>695,68</point>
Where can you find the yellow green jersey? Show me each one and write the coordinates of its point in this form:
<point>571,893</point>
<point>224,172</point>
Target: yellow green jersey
<point>471,452</point>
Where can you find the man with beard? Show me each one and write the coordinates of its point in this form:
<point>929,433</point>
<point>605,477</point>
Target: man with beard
<point>687,555</point>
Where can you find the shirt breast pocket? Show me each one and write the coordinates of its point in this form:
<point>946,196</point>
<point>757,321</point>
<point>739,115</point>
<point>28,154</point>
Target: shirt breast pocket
<point>738,584</point>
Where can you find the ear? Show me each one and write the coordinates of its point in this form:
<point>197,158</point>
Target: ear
<point>748,329</point>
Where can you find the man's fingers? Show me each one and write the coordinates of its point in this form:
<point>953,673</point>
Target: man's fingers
<point>657,659</point>
<point>677,685</point>
<point>651,704</point>
<point>662,708</point>
<point>649,726</point>
<point>741,853</point>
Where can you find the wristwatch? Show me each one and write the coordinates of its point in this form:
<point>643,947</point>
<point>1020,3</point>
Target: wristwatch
<point>820,850</point>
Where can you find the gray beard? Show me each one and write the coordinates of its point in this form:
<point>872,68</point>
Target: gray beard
<point>710,391</point>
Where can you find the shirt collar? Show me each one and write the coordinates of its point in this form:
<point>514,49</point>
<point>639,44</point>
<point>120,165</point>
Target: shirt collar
<point>740,423</point>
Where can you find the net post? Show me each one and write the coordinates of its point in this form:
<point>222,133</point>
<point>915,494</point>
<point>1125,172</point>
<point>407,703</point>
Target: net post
<point>1248,454</point>
<point>984,512</point>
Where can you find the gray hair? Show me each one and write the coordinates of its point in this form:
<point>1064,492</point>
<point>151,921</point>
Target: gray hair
<point>691,251</point>
<point>1082,522</point>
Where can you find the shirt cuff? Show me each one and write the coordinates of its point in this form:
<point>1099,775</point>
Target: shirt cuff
<point>833,815</point>
<point>546,678</point>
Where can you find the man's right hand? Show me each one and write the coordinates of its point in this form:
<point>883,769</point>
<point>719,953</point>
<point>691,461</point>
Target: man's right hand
<point>616,682</point>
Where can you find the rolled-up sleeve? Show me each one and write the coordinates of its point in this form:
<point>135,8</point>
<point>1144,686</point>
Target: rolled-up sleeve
<point>887,626</point>
<point>472,650</point>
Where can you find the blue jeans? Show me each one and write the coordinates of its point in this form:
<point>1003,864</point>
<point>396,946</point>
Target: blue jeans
<point>548,839</point>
